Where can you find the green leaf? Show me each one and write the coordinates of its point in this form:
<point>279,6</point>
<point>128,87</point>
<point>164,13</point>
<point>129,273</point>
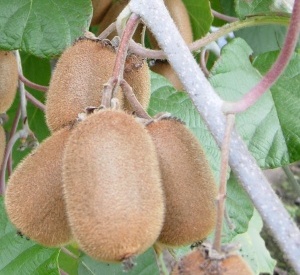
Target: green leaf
<point>21,256</point>
<point>244,8</point>
<point>253,247</point>
<point>263,39</point>
<point>260,126</point>
<point>42,28</point>
<point>286,97</point>
<point>165,98</point>
<point>145,264</point>
<point>200,16</point>
<point>239,209</point>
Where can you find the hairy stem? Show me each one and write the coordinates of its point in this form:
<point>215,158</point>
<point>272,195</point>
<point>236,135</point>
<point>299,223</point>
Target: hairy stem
<point>277,69</point>
<point>203,61</point>
<point>129,94</point>
<point>221,199</point>
<point>107,31</point>
<point>209,105</point>
<point>35,102</point>
<point>32,85</point>
<point>198,44</point>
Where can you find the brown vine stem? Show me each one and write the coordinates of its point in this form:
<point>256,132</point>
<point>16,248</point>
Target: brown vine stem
<point>278,19</point>
<point>31,84</point>
<point>203,61</point>
<point>35,102</point>
<point>20,134</point>
<point>276,70</point>
<point>111,88</point>
<point>221,199</point>
<point>107,31</point>
<point>223,16</point>
<point>129,94</point>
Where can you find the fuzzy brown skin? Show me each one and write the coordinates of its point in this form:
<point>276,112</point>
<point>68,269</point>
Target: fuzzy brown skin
<point>100,8</point>
<point>112,186</point>
<point>137,75</point>
<point>2,144</point>
<point>34,195</point>
<point>181,18</point>
<point>78,80</point>
<point>196,264</point>
<point>8,80</point>
<point>188,184</point>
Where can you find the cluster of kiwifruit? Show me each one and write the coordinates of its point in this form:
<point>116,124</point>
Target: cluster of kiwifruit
<point>106,12</point>
<point>8,88</point>
<point>108,180</point>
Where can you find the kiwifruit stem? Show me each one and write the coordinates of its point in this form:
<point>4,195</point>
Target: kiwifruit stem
<point>20,134</point>
<point>276,70</point>
<point>31,84</point>
<point>127,34</point>
<point>107,31</point>
<point>35,102</point>
<point>221,199</point>
<point>135,104</point>
<point>276,19</point>
<point>223,16</point>
<point>111,87</point>
<point>203,61</point>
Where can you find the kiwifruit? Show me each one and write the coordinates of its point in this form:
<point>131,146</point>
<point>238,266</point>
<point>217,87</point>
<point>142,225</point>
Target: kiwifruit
<point>78,80</point>
<point>197,263</point>
<point>111,16</point>
<point>100,7</point>
<point>181,18</point>
<point>112,186</point>
<point>2,144</point>
<point>34,195</point>
<point>8,79</point>
<point>137,75</point>
<point>188,184</point>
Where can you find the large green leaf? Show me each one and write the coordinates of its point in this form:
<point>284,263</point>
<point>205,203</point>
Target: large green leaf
<point>253,247</point>
<point>42,28</point>
<point>144,264</point>
<point>260,126</point>
<point>21,256</point>
<point>200,16</point>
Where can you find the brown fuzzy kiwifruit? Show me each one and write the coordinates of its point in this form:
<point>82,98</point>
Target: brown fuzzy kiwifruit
<point>78,80</point>
<point>137,75</point>
<point>197,263</point>
<point>188,183</point>
<point>34,195</point>
<point>2,144</point>
<point>100,8</point>
<point>8,79</point>
<point>181,18</point>
<point>112,186</point>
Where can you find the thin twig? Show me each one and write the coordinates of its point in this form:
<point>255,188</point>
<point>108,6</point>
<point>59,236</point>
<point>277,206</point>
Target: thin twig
<point>68,252</point>
<point>223,16</point>
<point>135,104</point>
<point>111,88</point>
<point>20,134</point>
<point>62,272</point>
<point>107,31</point>
<point>277,69</point>
<point>32,85</point>
<point>35,102</point>
<point>12,132</point>
<point>223,182</point>
<point>291,179</point>
<point>203,62</point>
<point>228,28</point>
